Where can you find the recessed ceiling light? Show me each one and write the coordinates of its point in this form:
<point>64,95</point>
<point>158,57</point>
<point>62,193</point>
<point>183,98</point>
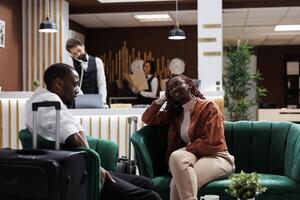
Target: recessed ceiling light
<point>127,1</point>
<point>293,27</point>
<point>153,17</point>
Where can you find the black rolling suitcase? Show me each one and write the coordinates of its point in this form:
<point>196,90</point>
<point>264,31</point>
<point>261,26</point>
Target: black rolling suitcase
<point>123,165</point>
<point>37,174</point>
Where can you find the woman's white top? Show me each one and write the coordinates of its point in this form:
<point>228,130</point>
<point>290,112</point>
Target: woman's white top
<point>185,125</point>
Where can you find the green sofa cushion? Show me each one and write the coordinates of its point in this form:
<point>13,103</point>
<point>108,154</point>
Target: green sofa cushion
<point>276,185</point>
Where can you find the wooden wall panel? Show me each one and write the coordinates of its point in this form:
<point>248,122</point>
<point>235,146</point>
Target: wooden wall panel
<point>40,50</point>
<point>146,41</point>
<point>11,54</point>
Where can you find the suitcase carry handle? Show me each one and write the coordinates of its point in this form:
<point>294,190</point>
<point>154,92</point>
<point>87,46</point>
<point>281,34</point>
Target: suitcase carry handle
<point>55,104</point>
<point>35,107</point>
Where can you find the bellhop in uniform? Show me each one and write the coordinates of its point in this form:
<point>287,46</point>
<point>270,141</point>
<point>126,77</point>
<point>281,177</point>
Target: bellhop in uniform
<point>89,68</point>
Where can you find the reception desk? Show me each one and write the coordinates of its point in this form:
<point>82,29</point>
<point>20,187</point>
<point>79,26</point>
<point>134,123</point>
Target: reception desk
<point>292,115</point>
<point>108,124</point>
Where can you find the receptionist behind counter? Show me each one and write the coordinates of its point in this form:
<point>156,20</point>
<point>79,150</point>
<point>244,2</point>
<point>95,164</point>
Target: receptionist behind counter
<point>147,96</point>
<point>90,69</point>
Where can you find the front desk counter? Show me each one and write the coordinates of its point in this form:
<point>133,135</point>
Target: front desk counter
<point>283,114</point>
<point>108,124</point>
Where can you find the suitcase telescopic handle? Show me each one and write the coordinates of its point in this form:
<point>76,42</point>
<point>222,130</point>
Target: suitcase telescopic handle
<point>55,104</point>
<point>35,107</point>
<point>131,119</point>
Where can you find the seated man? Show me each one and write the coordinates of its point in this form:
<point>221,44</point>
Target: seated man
<point>62,85</point>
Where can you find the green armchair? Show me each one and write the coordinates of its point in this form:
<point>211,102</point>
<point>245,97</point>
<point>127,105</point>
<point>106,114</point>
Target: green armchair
<point>271,149</point>
<point>104,149</point>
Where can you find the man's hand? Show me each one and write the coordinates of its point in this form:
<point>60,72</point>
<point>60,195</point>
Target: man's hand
<point>105,175</point>
<point>135,90</point>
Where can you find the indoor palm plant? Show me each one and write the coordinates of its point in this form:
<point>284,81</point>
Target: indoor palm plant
<point>238,81</point>
<point>245,186</point>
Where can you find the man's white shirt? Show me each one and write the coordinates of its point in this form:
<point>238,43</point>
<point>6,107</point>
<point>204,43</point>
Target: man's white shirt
<point>46,117</point>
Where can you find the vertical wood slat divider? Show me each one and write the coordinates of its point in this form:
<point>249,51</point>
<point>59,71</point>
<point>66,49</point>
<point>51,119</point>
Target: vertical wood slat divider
<point>60,29</point>
<point>32,41</point>
<point>39,76</point>
<point>49,56</point>
<point>99,128</point>
<point>17,124</point>
<point>90,126</point>
<point>44,43</point>
<point>9,124</point>
<point>55,35</point>
<point>27,45</point>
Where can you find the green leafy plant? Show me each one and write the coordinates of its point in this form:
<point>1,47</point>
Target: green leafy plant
<point>238,81</point>
<point>244,185</point>
<point>35,83</point>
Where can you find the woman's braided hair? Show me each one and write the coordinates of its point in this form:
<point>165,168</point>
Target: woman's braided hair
<point>175,109</point>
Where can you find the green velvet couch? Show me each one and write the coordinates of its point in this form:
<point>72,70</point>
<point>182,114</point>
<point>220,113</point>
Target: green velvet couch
<point>270,148</point>
<point>101,152</point>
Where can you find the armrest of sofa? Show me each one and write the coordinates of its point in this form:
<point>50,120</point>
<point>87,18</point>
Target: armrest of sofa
<point>108,151</point>
<point>142,154</point>
<point>93,172</point>
<point>292,154</point>
<point>150,150</point>
<point>25,137</point>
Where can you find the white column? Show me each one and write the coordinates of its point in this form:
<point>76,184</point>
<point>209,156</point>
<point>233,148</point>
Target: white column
<point>210,45</point>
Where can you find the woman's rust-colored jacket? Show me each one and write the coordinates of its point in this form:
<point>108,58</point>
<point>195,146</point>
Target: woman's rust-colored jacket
<point>206,129</point>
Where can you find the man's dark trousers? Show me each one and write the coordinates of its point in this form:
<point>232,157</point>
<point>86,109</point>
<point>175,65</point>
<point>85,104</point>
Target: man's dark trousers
<point>128,187</point>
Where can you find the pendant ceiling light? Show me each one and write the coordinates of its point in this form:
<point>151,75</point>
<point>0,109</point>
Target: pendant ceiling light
<point>48,25</point>
<point>176,33</point>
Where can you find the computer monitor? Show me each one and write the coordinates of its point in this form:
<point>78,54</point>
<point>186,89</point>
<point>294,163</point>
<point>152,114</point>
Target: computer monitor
<point>89,101</point>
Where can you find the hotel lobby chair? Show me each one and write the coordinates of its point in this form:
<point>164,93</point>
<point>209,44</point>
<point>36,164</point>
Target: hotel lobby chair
<point>272,149</point>
<point>101,152</point>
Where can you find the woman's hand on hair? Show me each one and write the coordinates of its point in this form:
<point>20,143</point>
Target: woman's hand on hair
<point>161,100</point>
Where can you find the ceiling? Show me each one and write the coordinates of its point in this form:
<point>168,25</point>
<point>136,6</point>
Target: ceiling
<point>253,24</point>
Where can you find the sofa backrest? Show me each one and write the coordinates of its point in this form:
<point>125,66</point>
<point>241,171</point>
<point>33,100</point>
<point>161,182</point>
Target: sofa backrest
<point>258,145</point>
<point>150,144</point>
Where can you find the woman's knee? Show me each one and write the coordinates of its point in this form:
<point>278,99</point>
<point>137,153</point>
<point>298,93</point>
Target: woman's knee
<point>181,157</point>
<point>175,157</point>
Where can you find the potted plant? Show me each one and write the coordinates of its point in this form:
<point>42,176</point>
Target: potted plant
<point>245,186</point>
<point>35,84</point>
<point>238,81</point>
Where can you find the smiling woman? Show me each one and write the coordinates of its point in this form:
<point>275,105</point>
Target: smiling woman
<point>197,151</point>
